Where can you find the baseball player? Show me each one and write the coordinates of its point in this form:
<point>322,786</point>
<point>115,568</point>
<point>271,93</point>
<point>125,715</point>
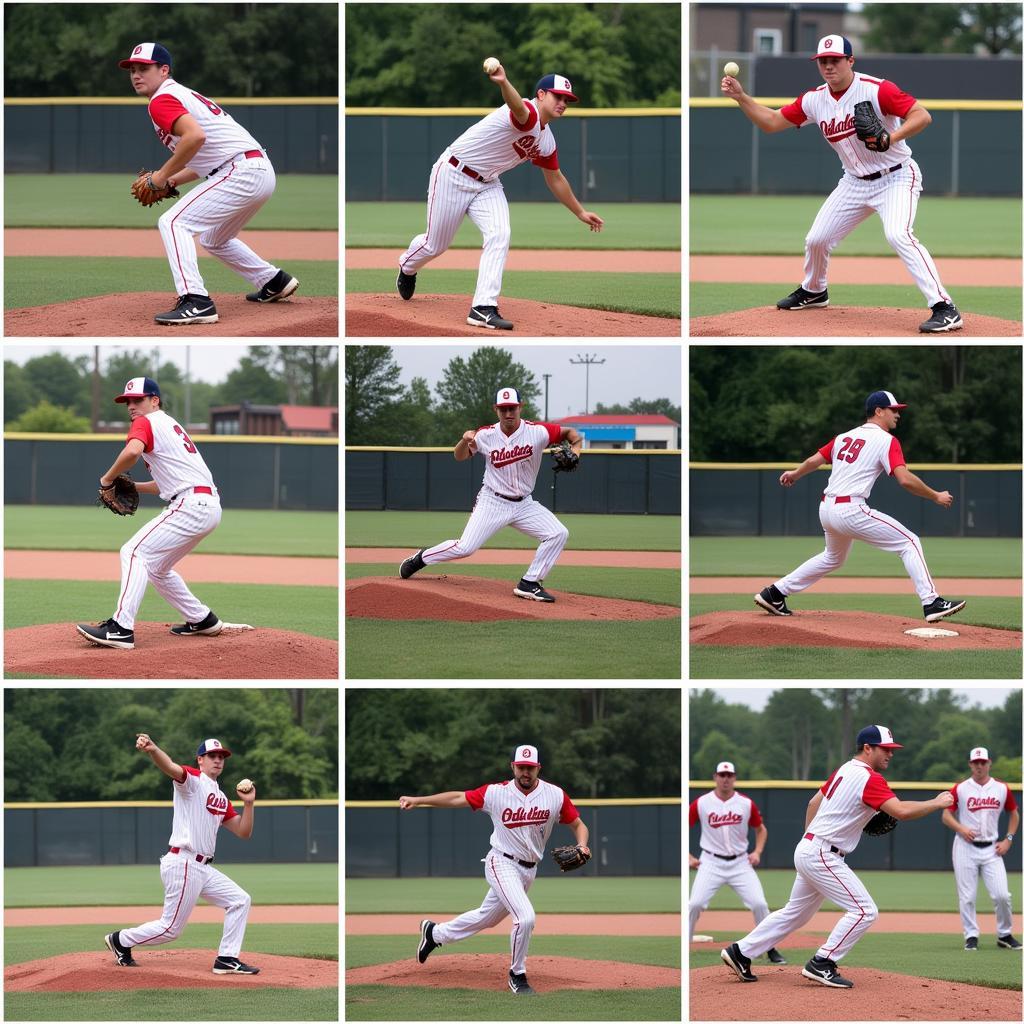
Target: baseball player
<point>200,808</point>
<point>836,813</point>
<point>725,816</point>
<point>879,173</point>
<point>513,448</point>
<point>205,142</point>
<point>974,817</point>
<point>465,182</point>
<point>524,810</point>
<point>857,456</point>
<point>182,479</point>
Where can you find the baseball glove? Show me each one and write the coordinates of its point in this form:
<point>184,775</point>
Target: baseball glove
<point>120,497</point>
<point>569,858</point>
<point>880,824</point>
<point>870,129</point>
<point>148,194</point>
<point>566,460</point>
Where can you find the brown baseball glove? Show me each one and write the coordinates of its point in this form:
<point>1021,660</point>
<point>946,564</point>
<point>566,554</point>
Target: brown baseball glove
<point>870,129</point>
<point>120,497</point>
<point>569,858</point>
<point>148,194</point>
<point>566,460</point>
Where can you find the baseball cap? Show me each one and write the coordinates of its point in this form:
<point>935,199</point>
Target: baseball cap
<point>147,53</point>
<point>139,387</point>
<point>526,755</point>
<point>881,400</point>
<point>725,766</point>
<point>557,84</point>
<point>507,396</point>
<point>208,746</point>
<point>833,46</point>
<point>979,754</point>
<point>877,736</point>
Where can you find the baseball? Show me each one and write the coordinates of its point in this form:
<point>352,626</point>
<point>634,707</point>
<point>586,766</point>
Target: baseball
<point>732,68</point>
<point>245,786</point>
<point>491,64</point>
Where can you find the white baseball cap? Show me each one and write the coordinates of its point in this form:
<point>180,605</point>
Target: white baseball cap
<point>725,766</point>
<point>527,755</point>
<point>507,396</point>
<point>979,754</point>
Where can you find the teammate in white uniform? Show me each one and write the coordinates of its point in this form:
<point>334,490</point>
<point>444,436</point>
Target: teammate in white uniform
<point>514,449</point>
<point>181,478</point>
<point>889,183</point>
<point>465,182</point>
<point>857,457</point>
<point>974,817</point>
<point>724,817</point>
<point>205,142</point>
<point>524,811</point>
<point>836,814</point>
<point>200,808</point>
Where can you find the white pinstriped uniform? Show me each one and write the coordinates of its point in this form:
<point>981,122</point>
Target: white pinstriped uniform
<point>857,457</point>
<point>513,462</point>
<point>893,197</point>
<point>852,796</point>
<point>199,810</point>
<point>217,209</point>
<point>493,145</point>
<point>522,825</point>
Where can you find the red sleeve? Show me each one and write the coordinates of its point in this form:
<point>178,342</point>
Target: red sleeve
<point>1011,804</point>
<point>893,100</point>
<point>827,783</point>
<point>165,110</point>
<point>188,771</point>
<point>141,430</point>
<point>825,451</point>
<point>554,432</point>
<point>794,112</point>
<point>956,796</point>
<point>549,162</point>
<point>475,797</point>
<point>531,118</point>
<point>755,815</point>
<point>895,455</point>
<point>230,813</point>
<point>877,791</point>
<point>693,813</point>
<point>569,813</point>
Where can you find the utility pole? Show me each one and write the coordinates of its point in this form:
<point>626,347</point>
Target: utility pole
<point>587,361</point>
<point>546,377</point>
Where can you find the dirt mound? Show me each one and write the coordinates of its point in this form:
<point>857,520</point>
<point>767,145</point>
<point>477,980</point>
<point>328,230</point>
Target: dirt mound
<point>843,322</point>
<point>474,599</point>
<point>444,316</point>
<point>130,315</point>
<point>841,629</point>
<point>617,261</point>
<point>58,651</point>
<point>490,971</point>
<point>164,968</point>
<point>988,586</point>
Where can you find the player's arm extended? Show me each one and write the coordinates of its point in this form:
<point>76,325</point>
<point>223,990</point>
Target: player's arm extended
<point>165,764</point>
<point>454,798</point>
<point>128,457</point>
<point>809,465</point>
<point>917,486</point>
<point>765,118</point>
<point>916,121</point>
<point>560,188</point>
<point>908,810</point>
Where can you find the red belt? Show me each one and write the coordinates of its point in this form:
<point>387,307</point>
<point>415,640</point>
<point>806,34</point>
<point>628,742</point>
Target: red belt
<point>209,490</point>
<point>466,170</point>
<point>838,501</point>
<point>834,849</point>
<point>252,154</point>
<point>199,856</point>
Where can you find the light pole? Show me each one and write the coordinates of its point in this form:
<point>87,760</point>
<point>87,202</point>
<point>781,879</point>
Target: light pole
<point>587,361</point>
<point>546,377</point>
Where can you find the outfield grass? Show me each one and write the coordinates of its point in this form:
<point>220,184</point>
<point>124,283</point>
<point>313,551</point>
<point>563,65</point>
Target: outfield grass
<point>586,532</point>
<point>773,557</point>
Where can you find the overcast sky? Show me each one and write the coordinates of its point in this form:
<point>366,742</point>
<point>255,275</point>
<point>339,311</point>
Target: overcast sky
<point>757,698</point>
<point>631,370</point>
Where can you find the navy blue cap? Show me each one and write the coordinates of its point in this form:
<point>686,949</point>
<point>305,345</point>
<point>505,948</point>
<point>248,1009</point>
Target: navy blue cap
<point>881,400</point>
<point>147,53</point>
<point>877,736</point>
<point>139,387</point>
<point>557,84</point>
<point>212,746</point>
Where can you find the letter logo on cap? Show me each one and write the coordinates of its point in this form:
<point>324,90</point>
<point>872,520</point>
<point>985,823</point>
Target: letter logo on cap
<point>828,43</point>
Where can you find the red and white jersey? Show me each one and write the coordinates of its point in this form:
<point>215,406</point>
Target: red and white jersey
<point>199,809</point>
<point>498,143</point>
<point>513,461</point>
<point>724,823</point>
<point>979,807</point>
<point>853,794</point>
<point>170,454</point>
<point>225,137</point>
<point>523,821</point>
<point>834,116</point>
<point>857,457</point>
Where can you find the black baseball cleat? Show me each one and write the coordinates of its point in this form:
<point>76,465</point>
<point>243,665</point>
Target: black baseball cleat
<point>412,565</point>
<point>775,956</point>
<point>190,309</point>
<point>1007,942</point>
<point>210,626</point>
<point>738,962</point>
<point>772,600</point>
<point>280,286</point>
<point>406,285</point>
<point>532,591</point>
<point>427,943</point>
<point>122,954</point>
<point>108,634</point>
<point>945,317</point>
<point>232,965</point>
<point>488,316</point>
<point>803,299</point>
<point>940,608</point>
<point>825,972</point>
<point>519,985</point>
<point>971,944</point>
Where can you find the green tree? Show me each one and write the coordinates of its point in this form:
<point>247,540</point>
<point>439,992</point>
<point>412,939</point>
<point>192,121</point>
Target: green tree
<point>715,746</point>
<point>251,382</point>
<point>18,396</point>
<point>46,418</point>
<point>943,28</point>
<point>643,407</point>
<point>409,421</point>
<point>59,380</point>
<point>371,384</point>
<point>468,386</point>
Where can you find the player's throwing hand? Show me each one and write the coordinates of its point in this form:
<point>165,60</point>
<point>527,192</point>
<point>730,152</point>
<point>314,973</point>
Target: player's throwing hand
<point>144,743</point>
<point>944,498</point>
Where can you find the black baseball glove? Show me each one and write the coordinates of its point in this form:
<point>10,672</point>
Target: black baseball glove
<point>120,497</point>
<point>569,858</point>
<point>566,460</point>
<point>880,824</point>
<point>870,129</point>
